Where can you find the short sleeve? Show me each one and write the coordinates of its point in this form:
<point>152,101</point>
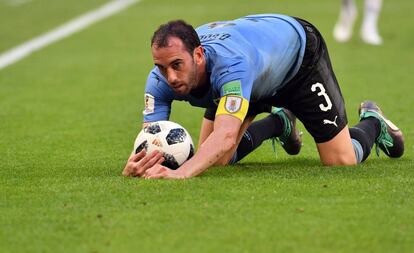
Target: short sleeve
<point>158,99</point>
<point>234,82</point>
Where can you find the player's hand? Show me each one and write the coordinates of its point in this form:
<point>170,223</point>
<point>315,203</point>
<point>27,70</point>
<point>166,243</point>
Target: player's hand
<point>159,171</point>
<point>138,163</point>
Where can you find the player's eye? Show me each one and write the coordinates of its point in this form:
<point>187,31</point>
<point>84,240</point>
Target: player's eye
<point>176,66</point>
<point>162,70</point>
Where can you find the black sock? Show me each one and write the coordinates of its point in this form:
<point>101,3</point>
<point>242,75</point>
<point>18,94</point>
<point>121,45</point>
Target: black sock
<point>366,132</point>
<point>258,131</point>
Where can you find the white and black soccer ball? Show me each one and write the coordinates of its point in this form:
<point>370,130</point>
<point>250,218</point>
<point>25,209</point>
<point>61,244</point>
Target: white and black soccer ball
<point>168,137</point>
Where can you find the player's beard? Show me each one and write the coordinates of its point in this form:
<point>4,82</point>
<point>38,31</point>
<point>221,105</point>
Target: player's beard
<point>192,82</point>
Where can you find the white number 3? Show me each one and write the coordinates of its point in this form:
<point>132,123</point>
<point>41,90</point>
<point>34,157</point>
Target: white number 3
<point>322,92</point>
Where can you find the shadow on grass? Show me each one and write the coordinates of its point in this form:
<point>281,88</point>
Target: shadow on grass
<point>294,162</point>
<point>308,167</point>
<point>285,167</point>
<point>384,160</point>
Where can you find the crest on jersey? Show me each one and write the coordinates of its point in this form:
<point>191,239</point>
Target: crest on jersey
<point>233,104</point>
<point>149,103</point>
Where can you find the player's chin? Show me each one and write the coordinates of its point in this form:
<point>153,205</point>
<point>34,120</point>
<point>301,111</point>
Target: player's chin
<point>182,90</point>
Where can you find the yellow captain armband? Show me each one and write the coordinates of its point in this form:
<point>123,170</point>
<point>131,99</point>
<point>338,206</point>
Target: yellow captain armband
<point>233,105</point>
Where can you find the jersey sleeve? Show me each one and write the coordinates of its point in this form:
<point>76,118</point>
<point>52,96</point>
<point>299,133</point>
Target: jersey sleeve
<point>234,84</point>
<point>158,99</point>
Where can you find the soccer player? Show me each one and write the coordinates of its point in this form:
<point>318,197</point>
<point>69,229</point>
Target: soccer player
<point>237,69</point>
<point>369,29</point>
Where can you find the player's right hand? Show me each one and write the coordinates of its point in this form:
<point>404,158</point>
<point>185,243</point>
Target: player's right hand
<point>138,163</point>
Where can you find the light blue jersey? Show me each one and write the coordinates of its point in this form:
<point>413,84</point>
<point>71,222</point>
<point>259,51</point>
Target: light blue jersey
<point>252,57</point>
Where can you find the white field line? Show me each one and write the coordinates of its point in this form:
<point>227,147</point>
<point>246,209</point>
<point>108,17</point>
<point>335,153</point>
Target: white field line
<point>65,30</point>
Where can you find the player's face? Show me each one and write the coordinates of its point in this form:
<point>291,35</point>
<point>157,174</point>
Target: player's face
<point>177,65</point>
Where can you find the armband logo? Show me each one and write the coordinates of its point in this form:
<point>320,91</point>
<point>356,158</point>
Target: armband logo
<point>232,88</point>
<point>233,104</point>
<point>149,103</point>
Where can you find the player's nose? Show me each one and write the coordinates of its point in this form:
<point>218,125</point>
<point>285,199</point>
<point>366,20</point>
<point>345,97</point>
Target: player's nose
<point>171,77</point>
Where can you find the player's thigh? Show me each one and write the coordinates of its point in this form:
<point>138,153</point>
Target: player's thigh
<point>316,98</point>
<point>321,108</point>
<point>338,150</point>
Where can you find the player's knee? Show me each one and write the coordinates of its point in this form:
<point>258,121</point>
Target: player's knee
<point>340,160</point>
<point>338,151</point>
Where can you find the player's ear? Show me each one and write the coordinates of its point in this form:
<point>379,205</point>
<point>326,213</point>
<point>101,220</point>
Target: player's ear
<point>198,54</point>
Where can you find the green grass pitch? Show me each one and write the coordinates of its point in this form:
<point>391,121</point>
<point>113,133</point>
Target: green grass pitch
<point>70,112</point>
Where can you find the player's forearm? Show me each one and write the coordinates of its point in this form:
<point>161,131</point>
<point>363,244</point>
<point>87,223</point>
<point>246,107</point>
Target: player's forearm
<point>212,150</point>
<point>207,127</point>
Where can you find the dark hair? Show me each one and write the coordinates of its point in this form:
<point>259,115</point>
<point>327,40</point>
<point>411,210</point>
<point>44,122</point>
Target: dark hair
<point>176,28</point>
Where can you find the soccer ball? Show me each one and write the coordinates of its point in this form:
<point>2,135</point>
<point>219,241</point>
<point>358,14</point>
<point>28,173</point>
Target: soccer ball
<point>168,137</point>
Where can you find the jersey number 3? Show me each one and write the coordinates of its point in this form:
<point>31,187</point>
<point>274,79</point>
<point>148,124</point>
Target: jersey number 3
<point>322,92</point>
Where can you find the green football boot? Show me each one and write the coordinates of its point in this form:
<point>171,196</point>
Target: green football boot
<point>390,140</point>
<point>291,138</point>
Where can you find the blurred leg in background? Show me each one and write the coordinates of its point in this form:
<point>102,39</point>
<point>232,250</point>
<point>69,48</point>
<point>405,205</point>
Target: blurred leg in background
<point>369,30</point>
<point>345,24</point>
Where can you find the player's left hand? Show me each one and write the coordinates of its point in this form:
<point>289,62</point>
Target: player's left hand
<point>159,171</point>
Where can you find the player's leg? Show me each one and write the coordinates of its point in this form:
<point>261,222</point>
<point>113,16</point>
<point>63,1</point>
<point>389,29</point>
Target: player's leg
<point>323,113</point>
<point>250,135</point>
<point>369,28</point>
<point>374,127</point>
<point>207,127</point>
<point>314,96</point>
<point>345,24</point>
<point>231,156</point>
<point>339,150</point>
<point>280,124</point>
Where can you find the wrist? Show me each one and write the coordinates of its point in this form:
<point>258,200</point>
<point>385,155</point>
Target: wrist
<point>185,173</point>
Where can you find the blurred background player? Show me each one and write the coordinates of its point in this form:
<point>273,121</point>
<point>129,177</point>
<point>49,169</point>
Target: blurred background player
<point>369,29</point>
